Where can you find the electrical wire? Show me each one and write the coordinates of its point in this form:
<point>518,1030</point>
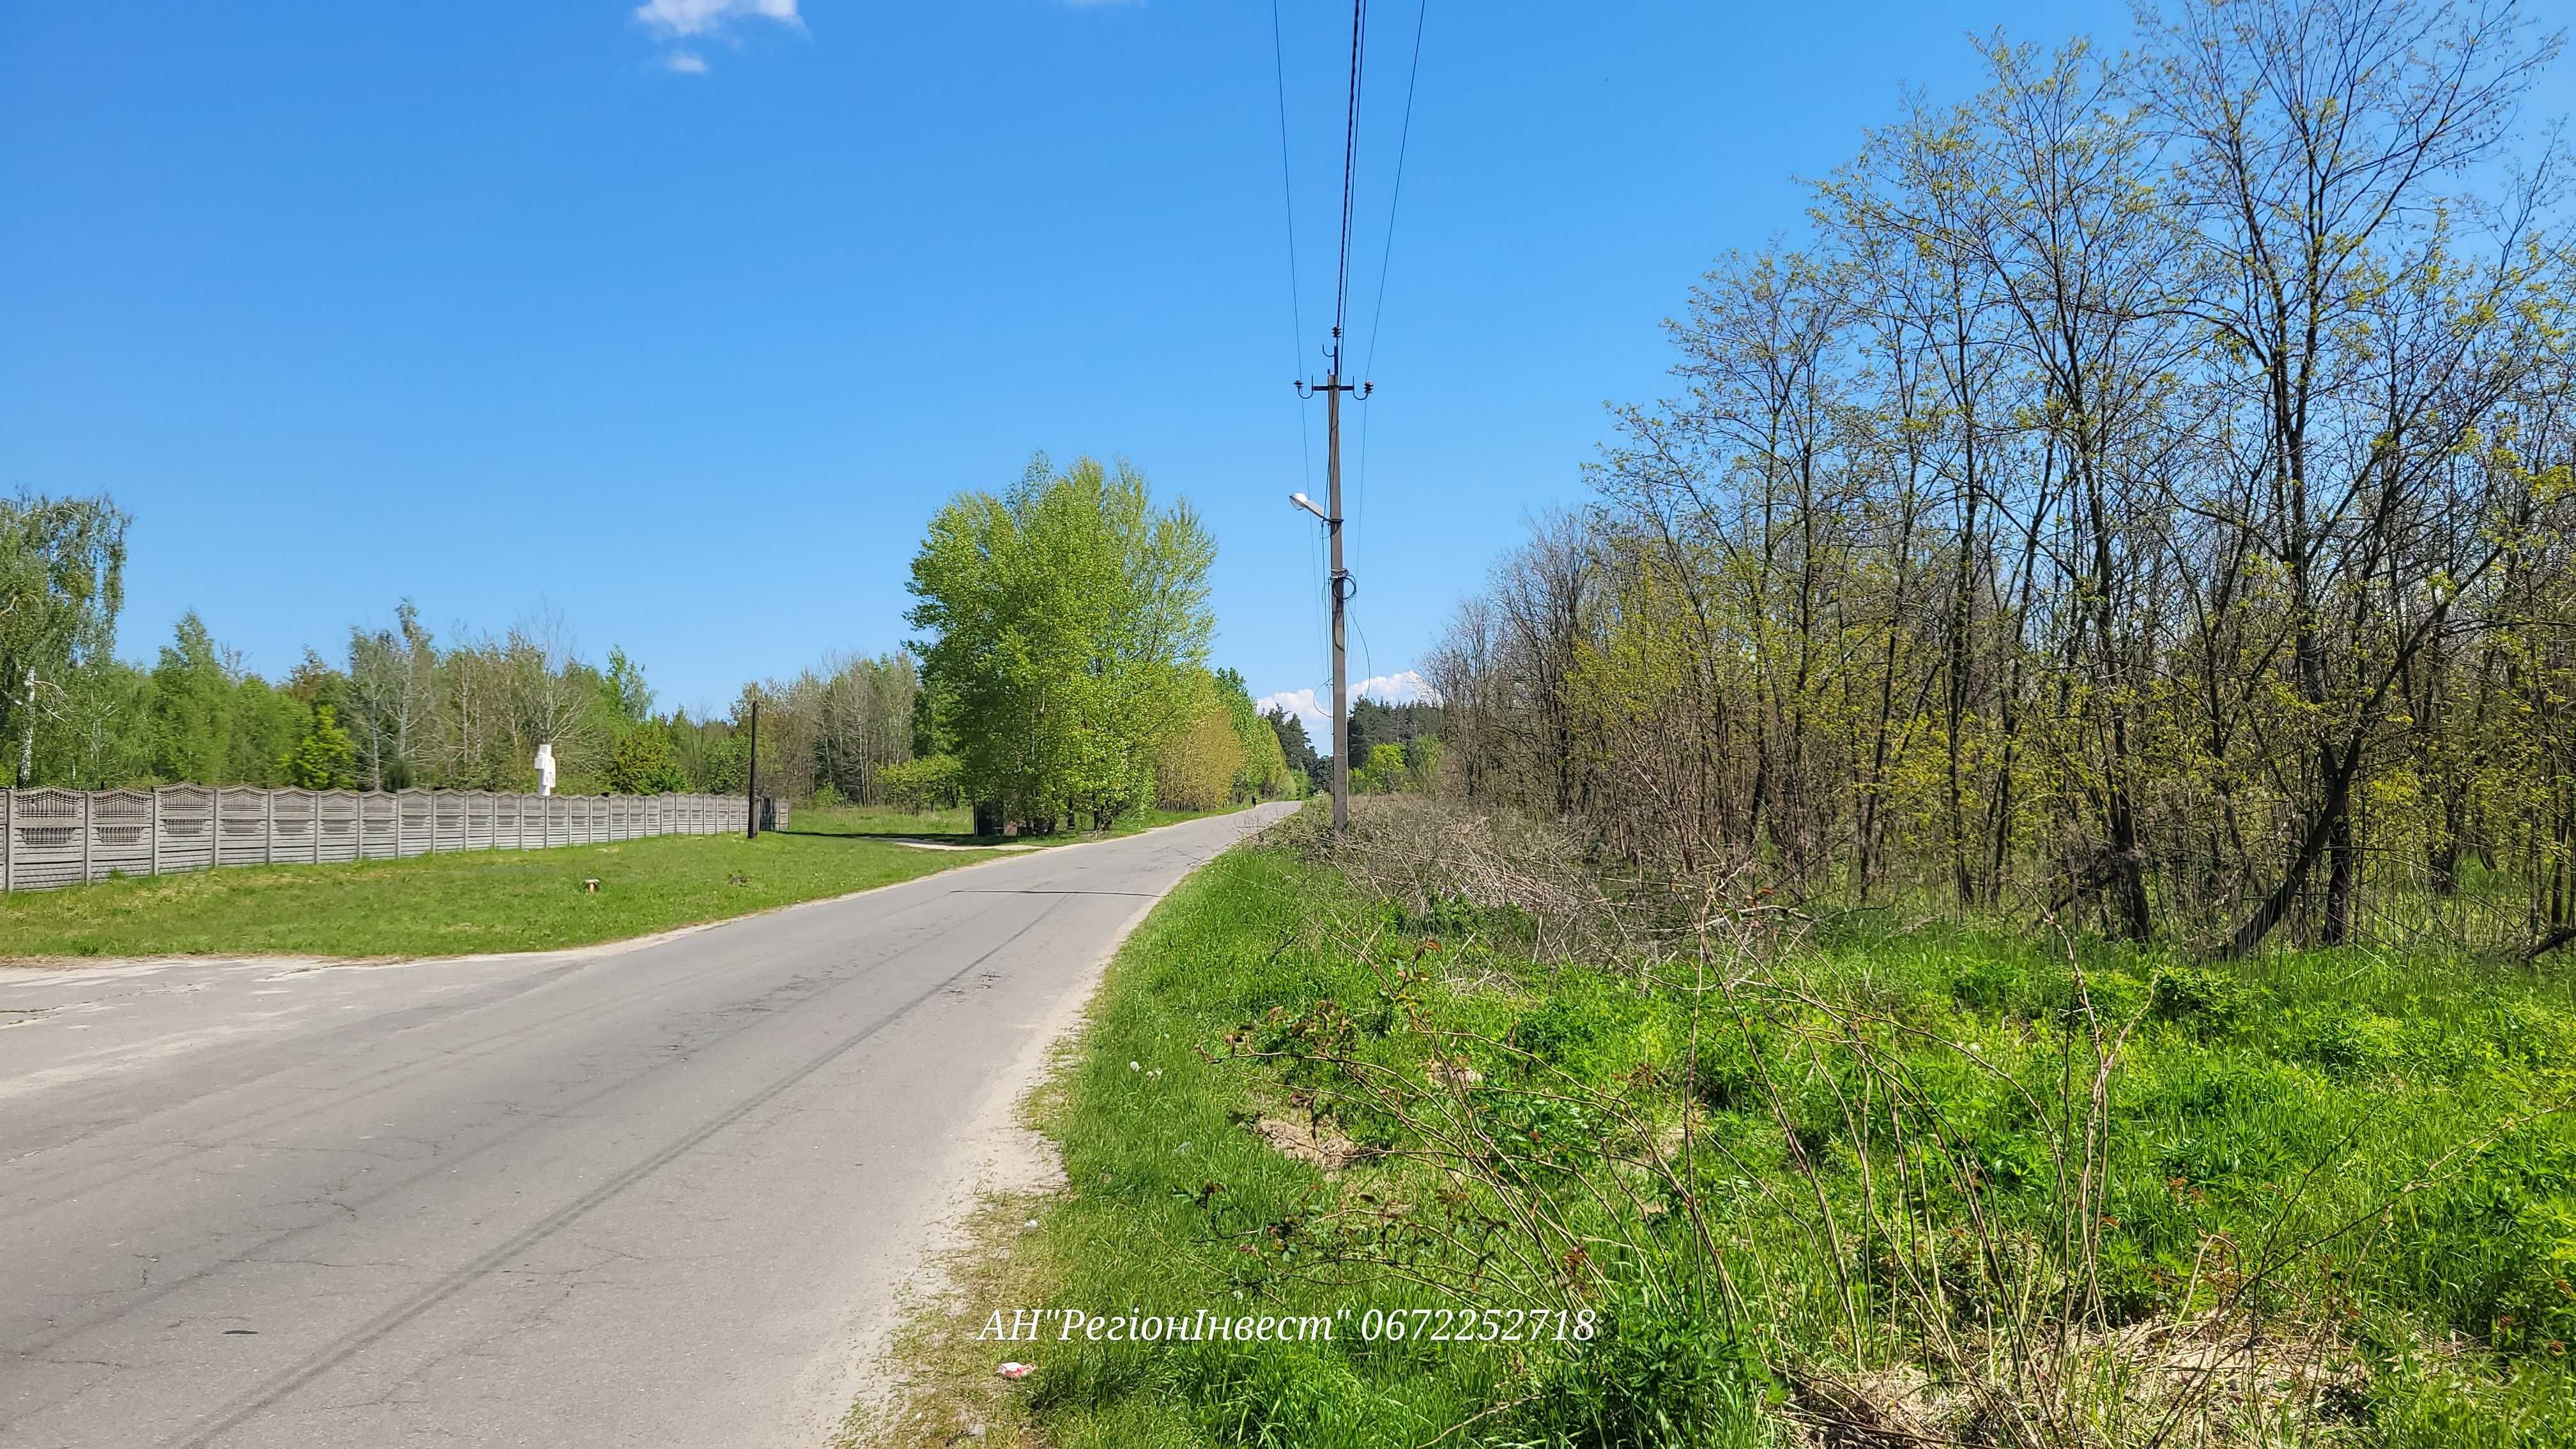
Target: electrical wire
<point>1350,166</point>
<point>1288,196</point>
<point>1403,143</point>
<point>1386,256</point>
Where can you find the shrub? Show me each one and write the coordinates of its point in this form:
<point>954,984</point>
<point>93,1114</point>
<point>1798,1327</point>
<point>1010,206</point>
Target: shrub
<point>641,763</point>
<point>932,782</point>
<point>2200,996</point>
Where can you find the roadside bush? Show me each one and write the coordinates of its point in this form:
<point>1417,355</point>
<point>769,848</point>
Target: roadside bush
<point>930,782</point>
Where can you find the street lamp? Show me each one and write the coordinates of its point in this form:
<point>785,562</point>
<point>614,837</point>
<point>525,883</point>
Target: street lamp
<point>1304,502</point>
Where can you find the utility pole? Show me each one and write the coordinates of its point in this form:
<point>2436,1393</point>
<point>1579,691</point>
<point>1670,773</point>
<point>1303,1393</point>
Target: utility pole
<point>1332,388</point>
<point>751,777</point>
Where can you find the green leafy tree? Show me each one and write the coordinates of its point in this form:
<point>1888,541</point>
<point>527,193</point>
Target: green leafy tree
<point>1422,763</point>
<point>391,698</point>
<point>191,705</point>
<point>1264,773</point>
<point>266,722</point>
<point>1374,724</point>
<point>91,741</point>
<point>641,763</point>
<point>325,758</point>
<point>1294,746</point>
<point>1202,763</point>
<point>1064,621</point>
<point>1382,773</point>
<point>62,584</point>
<point>720,764</point>
<point>623,694</point>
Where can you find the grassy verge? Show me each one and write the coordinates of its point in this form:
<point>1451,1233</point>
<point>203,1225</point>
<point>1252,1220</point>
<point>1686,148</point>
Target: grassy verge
<point>1818,1183</point>
<point>448,905</point>
<point>478,901</point>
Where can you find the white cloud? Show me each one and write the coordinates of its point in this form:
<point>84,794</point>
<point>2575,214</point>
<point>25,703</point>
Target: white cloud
<point>675,20</point>
<point>1408,687</point>
<point>679,18</point>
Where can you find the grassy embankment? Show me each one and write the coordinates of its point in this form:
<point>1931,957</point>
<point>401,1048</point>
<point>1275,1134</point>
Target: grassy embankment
<point>479,901</point>
<point>1819,1173</point>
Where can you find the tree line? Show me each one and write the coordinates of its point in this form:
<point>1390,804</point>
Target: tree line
<point>392,707</point>
<point>1393,747</point>
<point>2142,495</point>
<point>1062,681</point>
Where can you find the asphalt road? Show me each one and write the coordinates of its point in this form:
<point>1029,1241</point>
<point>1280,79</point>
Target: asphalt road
<point>652,1196</point>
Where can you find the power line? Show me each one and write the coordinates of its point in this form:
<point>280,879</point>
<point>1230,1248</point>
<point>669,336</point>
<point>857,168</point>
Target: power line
<point>1404,142</point>
<point>1333,386</point>
<point>1350,162</point>
<point>1288,195</point>
<point>1386,255</point>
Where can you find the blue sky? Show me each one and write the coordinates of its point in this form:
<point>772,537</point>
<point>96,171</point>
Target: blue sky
<point>680,321</point>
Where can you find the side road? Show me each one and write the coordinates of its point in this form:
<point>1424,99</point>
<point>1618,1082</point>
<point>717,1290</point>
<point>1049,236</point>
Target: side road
<point>656,1196</point>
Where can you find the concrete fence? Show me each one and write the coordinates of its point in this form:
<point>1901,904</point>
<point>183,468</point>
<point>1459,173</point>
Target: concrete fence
<point>66,837</point>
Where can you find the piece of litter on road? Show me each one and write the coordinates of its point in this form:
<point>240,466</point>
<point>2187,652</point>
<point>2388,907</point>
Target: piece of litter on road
<point>1015,1370</point>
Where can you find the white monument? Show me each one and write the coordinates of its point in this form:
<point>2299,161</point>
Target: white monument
<point>546,768</point>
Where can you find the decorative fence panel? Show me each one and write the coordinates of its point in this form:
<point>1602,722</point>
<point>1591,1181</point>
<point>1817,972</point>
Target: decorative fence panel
<point>51,837</point>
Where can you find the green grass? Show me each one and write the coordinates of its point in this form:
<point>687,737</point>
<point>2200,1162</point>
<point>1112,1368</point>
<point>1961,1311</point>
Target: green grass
<point>446,905</point>
<point>479,901</point>
<point>2396,1124</point>
<point>945,826</point>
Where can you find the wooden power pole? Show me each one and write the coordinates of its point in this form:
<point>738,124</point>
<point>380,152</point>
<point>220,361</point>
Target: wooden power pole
<point>751,777</point>
<point>1332,388</point>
